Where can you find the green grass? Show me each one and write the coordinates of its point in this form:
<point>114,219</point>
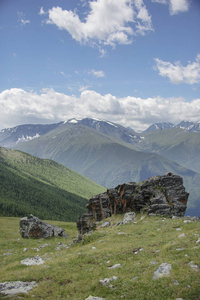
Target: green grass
<point>75,273</point>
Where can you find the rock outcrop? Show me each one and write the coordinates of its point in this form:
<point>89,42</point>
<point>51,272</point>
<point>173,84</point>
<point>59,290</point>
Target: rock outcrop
<point>33,227</point>
<point>158,195</point>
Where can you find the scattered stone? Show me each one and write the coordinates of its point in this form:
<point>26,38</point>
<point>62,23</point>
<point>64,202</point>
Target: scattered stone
<point>16,287</point>
<point>94,248</point>
<point>105,224</point>
<point>176,282</point>
<point>107,280</point>
<point>182,235</point>
<point>108,262</point>
<point>198,241</point>
<point>33,227</point>
<point>118,223</point>
<point>187,221</point>
<point>94,298</point>
<point>122,233</point>
<point>61,246</point>
<point>45,245</point>
<point>37,260</point>
<point>193,266</point>
<point>178,229</point>
<point>25,249</point>
<point>163,270</point>
<point>153,262</point>
<point>180,249</point>
<point>115,266</point>
<point>129,218</point>
<point>35,249</point>
<point>136,277</point>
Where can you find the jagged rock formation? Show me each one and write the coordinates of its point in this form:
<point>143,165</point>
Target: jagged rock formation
<point>159,195</point>
<point>33,227</point>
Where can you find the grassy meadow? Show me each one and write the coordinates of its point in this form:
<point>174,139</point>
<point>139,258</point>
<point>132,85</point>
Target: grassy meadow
<point>74,273</point>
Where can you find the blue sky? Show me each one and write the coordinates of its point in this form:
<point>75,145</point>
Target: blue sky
<point>134,62</point>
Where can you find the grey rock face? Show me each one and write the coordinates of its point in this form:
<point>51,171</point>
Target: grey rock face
<point>158,195</point>
<point>16,287</point>
<point>33,227</point>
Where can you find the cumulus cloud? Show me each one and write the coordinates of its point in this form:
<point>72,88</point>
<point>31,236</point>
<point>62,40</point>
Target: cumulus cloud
<point>108,22</point>
<point>97,74</point>
<point>18,106</point>
<point>175,6</point>
<point>177,73</point>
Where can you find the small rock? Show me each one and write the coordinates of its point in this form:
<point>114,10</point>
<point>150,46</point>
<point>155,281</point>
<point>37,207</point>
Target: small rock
<point>122,233</point>
<point>153,262</point>
<point>94,298</point>
<point>45,245</point>
<point>176,282</point>
<point>178,229</point>
<point>115,266</point>
<point>94,248</point>
<point>182,235</point>
<point>25,249</point>
<point>15,287</point>
<point>180,249</point>
<point>198,241</point>
<point>136,277</point>
<point>129,218</point>
<point>187,221</point>
<point>107,280</point>
<point>163,270</point>
<point>193,266</point>
<point>105,224</point>
<point>32,261</point>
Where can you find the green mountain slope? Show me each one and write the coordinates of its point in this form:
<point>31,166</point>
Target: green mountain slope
<point>107,161</point>
<point>41,187</point>
<point>175,144</point>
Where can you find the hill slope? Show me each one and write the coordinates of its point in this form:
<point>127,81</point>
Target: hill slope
<point>41,187</point>
<point>107,161</point>
<point>175,144</point>
<point>140,248</point>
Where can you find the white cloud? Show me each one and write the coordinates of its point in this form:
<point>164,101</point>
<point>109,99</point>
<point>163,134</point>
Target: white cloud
<point>175,6</point>
<point>21,19</point>
<point>178,6</point>
<point>42,12</point>
<point>109,22</point>
<point>21,107</point>
<point>97,74</point>
<point>177,73</point>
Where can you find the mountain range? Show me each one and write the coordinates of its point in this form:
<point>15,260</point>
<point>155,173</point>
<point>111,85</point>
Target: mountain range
<point>111,154</point>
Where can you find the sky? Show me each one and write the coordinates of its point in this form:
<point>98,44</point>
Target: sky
<point>132,62</point>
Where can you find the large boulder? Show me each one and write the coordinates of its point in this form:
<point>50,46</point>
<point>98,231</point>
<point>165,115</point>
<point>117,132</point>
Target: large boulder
<point>33,227</point>
<point>158,195</point>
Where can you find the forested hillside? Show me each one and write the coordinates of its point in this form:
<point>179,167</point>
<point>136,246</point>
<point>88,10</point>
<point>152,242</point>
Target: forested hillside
<point>41,187</point>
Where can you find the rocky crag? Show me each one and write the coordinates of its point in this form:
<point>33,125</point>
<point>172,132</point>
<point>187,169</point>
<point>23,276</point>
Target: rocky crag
<point>33,227</point>
<point>158,195</point>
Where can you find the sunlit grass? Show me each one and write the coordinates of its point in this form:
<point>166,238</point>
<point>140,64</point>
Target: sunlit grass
<point>74,273</point>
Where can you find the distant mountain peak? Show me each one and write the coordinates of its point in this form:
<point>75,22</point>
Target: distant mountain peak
<point>160,126</point>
